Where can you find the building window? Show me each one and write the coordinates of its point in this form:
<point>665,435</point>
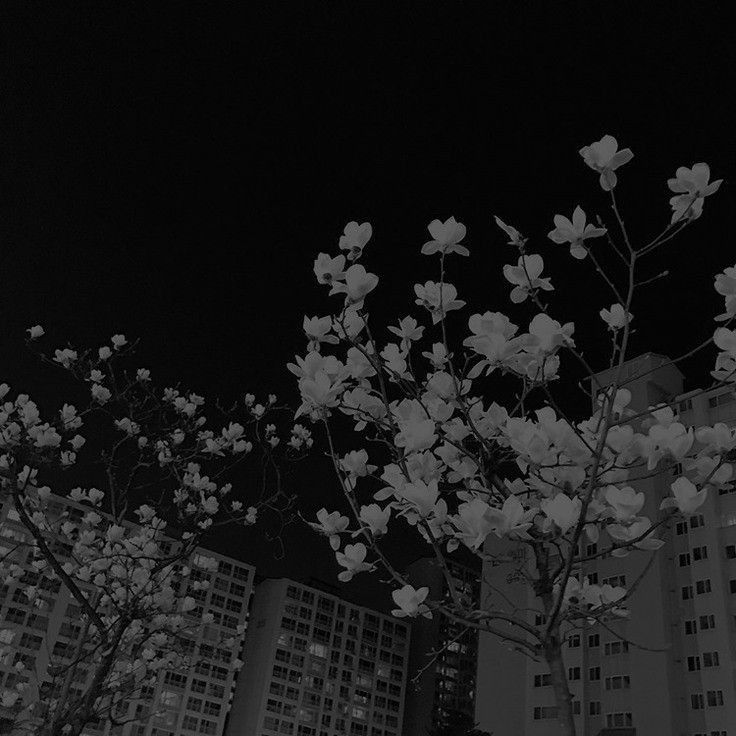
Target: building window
<point>684,559</point>
<point>681,527</point>
<point>615,581</point>
<point>573,640</point>
<point>616,647</point>
<point>542,680</point>
<point>594,673</point>
<point>573,673</point>
<point>707,622</point>
<point>714,697</point>
<point>618,720</point>
<point>710,659</point>
<point>697,702</point>
<point>693,663</point>
<point>594,640</point>
<point>697,521</point>
<point>618,682</point>
<point>594,708</point>
<point>687,592</point>
<point>700,553</point>
<point>545,712</point>
<point>731,551</point>
<point>702,586</point>
<point>691,627</point>
<point>591,549</point>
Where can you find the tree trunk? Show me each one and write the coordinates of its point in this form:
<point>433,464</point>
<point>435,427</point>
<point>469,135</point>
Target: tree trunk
<point>563,697</point>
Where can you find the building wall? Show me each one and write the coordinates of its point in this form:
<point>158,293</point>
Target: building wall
<point>320,666</point>
<point>659,699</point>
<point>449,683</point>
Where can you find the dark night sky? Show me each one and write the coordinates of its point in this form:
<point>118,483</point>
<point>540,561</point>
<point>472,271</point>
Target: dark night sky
<point>170,171</point>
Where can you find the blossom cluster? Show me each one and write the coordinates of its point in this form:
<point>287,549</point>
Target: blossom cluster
<point>461,468</point>
<point>124,553</point>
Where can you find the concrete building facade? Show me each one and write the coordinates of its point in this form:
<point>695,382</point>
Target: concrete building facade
<point>446,685</point>
<point>182,703</point>
<point>669,669</point>
<point>317,665</point>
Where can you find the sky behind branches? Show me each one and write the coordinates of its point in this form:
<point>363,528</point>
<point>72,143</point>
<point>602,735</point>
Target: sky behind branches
<point>170,171</point>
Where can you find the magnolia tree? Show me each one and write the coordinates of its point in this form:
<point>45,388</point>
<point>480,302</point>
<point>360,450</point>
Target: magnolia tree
<point>442,448</point>
<point>145,473</point>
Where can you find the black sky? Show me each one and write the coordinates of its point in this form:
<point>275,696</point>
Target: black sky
<point>170,170</point>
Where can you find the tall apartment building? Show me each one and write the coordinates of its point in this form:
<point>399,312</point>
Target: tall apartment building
<point>681,682</point>
<point>318,666</point>
<point>446,685</point>
<point>186,703</point>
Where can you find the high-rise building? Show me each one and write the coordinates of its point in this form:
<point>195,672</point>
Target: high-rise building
<point>443,655</point>
<point>317,665</point>
<point>182,702</point>
<point>669,669</point>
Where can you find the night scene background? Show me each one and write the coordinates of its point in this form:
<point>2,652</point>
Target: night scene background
<point>171,170</point>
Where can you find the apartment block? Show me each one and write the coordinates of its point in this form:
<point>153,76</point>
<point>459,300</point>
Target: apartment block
<point>669,669</point>
<point>441,686</point>
<point>317,665</point>
<point>182,702</point>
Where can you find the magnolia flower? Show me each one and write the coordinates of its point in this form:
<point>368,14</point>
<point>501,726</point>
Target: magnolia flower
<point>636,529</point>
<point>355,239</point>
<point>358,284</point>
<point>626,502</point>
<point>438,357</point>
<point>394,359</point>
<point>574,232</point>
<point>375,518</point>
<point>410,602</point>
<point>720,437</point>
<point>118,341</point>
<point>330,525</point>
<point>416,435</point>
<point>687,498</point>
<point>550,334</point>
<point>358,364</point>
<point>692,188</point>
<point>525,277</point>
<point>725,285</point>
<point>725,339</point>
<point>605,157</point>
<point>353,560</point>
<point>350,325</point>
<point>66,357</point>
<point>563,510</point>
<point>355,463</point>
<point>105,353</point>
<point>511,519</point>
<point>437,298</point>
<point>319,392</point>
<point>446,236</point>
<point>35,332</point>
<point>408,331</point>
<point>473,523</point>
<point>616,317</point>
<point>100,394</point>
<point>317,329</point>
<point>514,235</point>
<point>328,269</point>
<point>421,496</point>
